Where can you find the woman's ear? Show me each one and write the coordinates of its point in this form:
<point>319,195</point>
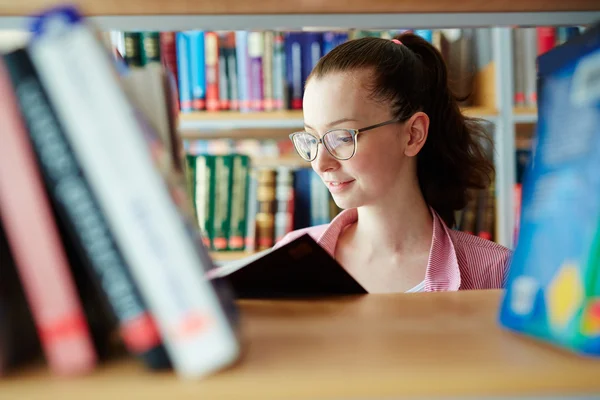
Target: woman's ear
<point>417,128</point>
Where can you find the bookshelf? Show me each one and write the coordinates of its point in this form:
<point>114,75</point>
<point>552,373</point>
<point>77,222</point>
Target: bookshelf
<point>263,124</point>
<point>377,346</point>
<point>379,14</point>
<point>275,7</point>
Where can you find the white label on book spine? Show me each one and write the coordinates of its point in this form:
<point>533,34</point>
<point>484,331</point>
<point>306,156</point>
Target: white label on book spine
<point>110,146</point>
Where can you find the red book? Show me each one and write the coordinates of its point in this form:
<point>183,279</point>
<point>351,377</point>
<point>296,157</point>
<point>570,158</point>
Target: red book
<point>37,247</point>
<point>211,57</point>
<point>546,39</point>
<point>168,55</point>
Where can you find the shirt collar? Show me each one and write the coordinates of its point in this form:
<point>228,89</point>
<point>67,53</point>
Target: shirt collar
<point>442,273</point>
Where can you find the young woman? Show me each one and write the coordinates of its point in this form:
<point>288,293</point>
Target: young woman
<point>386,135</point>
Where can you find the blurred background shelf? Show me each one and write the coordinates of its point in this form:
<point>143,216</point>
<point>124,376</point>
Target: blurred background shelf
<point>273,14</point>
<point>525,115</point>
<point>276,7</point>
<point>263,125</point>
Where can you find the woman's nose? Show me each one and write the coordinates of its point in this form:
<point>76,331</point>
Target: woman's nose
<point>324,161</point>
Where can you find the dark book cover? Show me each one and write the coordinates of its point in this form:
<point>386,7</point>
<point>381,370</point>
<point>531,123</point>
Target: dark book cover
<point>298,269</point>
<point>103,281</point>
<point>19,342</point>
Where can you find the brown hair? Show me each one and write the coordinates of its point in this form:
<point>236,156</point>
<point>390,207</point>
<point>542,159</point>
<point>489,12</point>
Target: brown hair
<point>412,77</point>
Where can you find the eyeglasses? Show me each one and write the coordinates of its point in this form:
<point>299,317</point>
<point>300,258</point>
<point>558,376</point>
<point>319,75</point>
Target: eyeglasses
<point>340,143</point>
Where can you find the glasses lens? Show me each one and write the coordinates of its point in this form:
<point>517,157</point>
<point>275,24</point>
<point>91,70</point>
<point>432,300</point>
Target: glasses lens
<point>340,143</point>
<point>306,145</point>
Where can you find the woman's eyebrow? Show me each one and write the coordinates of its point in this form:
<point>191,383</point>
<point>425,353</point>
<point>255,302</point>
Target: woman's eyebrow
<point>336,122</point>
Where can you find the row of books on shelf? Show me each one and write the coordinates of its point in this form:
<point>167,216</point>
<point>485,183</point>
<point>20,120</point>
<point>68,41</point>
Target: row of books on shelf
<point>100,253</point>
<point>243,208</point>
<point>528,44</point>
<point>239,207</point>
<point>267,70</point>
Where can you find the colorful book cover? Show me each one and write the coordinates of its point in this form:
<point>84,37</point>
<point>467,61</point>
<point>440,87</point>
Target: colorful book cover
<point>552,290</point>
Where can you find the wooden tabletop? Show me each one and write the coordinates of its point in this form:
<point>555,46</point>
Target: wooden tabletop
<point>374,346</point>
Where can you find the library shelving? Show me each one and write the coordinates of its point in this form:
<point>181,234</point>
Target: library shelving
<point>358,14</point>
<point>376,346</point>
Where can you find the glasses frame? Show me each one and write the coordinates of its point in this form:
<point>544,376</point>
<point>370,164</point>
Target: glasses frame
<point>353,132</point>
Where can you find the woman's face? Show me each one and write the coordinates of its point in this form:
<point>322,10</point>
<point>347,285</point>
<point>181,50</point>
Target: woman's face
<point>380,165</point>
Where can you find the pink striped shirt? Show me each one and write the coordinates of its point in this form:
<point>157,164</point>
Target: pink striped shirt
<point>457,260</point>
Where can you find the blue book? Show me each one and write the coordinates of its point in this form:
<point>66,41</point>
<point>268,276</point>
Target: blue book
<point>182,48</point>
<point>293,59</point>
<point>241,49</point>
<point>302,198</point>
<point>553,287</point>
<point>426,34</point>
<point>197,68</point>
<point>312,50</point>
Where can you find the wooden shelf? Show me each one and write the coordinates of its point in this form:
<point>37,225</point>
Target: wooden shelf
<point>376,346</point>
<point>525,115</point>
<point>263,125</point>
<point>211,7</point>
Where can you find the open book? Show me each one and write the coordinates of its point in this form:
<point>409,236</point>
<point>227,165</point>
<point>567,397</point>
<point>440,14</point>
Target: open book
<point>300,268</point>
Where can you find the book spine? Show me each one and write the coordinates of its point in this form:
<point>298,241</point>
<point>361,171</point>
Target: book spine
<point>293,56</point>
<point>251,209</point>
<point>183,72</point>
<point>203,190</point>
<point>224,94</point>
<point>37,248</point>
<point>212,71</point>
<point>19,342</point>
<point>265,217</point>
<point>530,66</point>
<point>546,39</point>
<point>279,73</point>
<point>302,198</point>
<point>222,201</point>
<point>150,47</point>
<point>168,56</point>
<point>312,43</point>
<point>255,78</point>
<point>232,72</point>
<point>239,193</point>
<point>146,222</point>
<point>78,208</point>
<point>197,69</point>
<point>519,66</point>
<point>241,48</point>
<point>133,47</point>
<point>268,47</point>
<point>284,198</point>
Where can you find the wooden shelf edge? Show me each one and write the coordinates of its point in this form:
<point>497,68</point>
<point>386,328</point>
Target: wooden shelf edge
<point>276,7</point>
